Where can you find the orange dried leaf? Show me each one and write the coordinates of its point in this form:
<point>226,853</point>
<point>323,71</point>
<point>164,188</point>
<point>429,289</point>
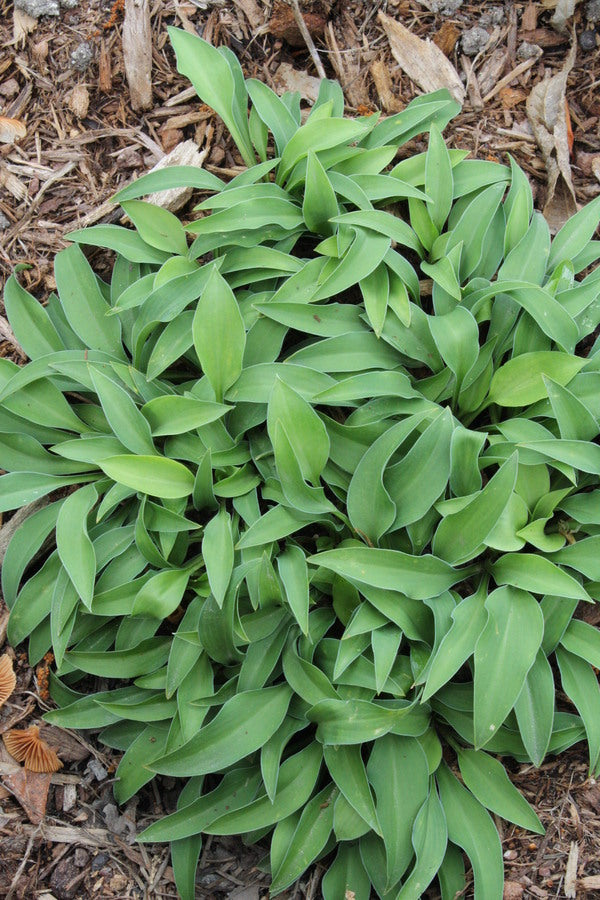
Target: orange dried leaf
<point>11,130</point>
<point>7,678</point>
<point>28,747</point>
<point>570,138</point>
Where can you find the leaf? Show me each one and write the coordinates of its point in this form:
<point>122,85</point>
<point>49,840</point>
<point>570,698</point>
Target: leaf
<point>74,546</point>
<point>23,547</point>
<point>417,481</point>
<point>357,721</point>
<point>574,234</point>
<point>580,684</point>
<point>303,427</point>
<point>429,839</point>
<point>460,534</point>
<point>219,334</point>
<point>308,840</point>
<point>147,656</point>
<point>242,725</point>
<point>438,179</point>
<point>458,644</point>
<point>504,653</point>
<point>520,381</point>
<point>170,414</point>
<point>470,826</point>
<point>346,876</point>
<point>160,596</point>
<point>534,707</point>
<point>320,204</point>
<point>420,577</point>
<point>30,322</point>
<point>398,771</point>
<point>348,771</point>
<point>457,338</point>
<point>297,778</point>
<point>166,179</point>
<point>217,552</point>
<point>294,576</point>
<point>154,475</point>
<point>423,61</point>
<point>123,416</point>
<point>157,226</point>
<point>487,780</point>
<point>123,240</point>
<point>83,304</point>
<point>581,639</point>
<point>531,572</point>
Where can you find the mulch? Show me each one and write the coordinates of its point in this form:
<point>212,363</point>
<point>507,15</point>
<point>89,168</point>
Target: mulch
<point>83,142</point>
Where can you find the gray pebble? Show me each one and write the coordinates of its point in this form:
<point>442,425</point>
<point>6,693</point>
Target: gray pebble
<point>592,11</point>
<point>446,7</point>
<point>474,40</point>
<point>492,16</point>
<point>69,4</point>
<point>528,51</point>
<point>82,56</point>
<point>38,8</point>
<point>4,223</point>
<point>587,40</point>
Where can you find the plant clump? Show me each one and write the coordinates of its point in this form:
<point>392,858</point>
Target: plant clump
<point>328,492</point>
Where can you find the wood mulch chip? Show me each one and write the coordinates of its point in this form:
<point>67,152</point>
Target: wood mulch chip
<point>83,142</point>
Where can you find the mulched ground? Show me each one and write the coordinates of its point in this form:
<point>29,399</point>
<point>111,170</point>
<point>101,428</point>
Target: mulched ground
<point>83,142</point>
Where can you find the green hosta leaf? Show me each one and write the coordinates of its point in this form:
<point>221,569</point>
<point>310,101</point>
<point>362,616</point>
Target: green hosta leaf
<point>420,577</point>
<point>147,656</point>
<point>304,429</point>
<point>583,640</point>
<point>504,653</point>
<point>535,708</point>
<point>487,780</point>
<point>157,226</point>
<point>460,534</point>
<point>296,783</point>
<point>574,234</point>
<point>30,322</point>
<point>217,551</point>
<point>521,380</point>
<point>152,475</point>
<point>294,576</point>
<point>416,482</point>
<point>348,771</point>
<point>346,875</point>
<point>429,839</point>
<point>357,721</point>
<point>161,595</point>
<point>242,725</point>
<point>458,644</point>
<point>83,303</point>
<point>178,415</point>
<point>74,546</point>
<point>219,334</point>
<point>580,684</point>
<point>320,204</point>
<point>457,338</point>
<point>308,839</point>
<point>536,573</point>
<point>471,827</point>
<point>398,771</point>
<point>123,416</point>
<point>438,179</point>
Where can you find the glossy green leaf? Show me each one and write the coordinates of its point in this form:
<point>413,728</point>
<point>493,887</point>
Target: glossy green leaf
<point>154,475</point>
<point>487,780</point>
<point>219,334</point>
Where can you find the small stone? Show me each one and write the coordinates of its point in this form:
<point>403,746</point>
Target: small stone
<point>592,11</point>
<point>97,770</point>
<point>4,222</point>
<point>474,40</point>
<point>69,4</point>
<point>528,51</point>
<point>82,56</point>
<point>492,16</point>
<point>81,857</point>
<point>38,8</point>
<point>587,40</point>
<point>9,88</point>
<point>446,7</point>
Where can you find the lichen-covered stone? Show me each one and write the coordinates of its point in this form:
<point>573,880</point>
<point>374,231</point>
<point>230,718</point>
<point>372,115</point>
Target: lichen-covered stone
<point>592,11</point>
<point>38,8</point>
<point>474,40</point>
<point>446,7</point>
<point>82,56</point>
<point>528,51</point>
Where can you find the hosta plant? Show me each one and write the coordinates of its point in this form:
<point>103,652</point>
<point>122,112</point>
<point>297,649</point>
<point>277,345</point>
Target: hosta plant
<point>325,490</point>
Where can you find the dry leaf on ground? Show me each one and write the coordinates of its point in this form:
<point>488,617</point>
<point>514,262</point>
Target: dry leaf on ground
<point>11,130</point>
<point>422,61</point>
<point>290,79</point>
<point>563,12</point>
<point>31,790</point>
<point>570,888</point>
<point>547,115</point>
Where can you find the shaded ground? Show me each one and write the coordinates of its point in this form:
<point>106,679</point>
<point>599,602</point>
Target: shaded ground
<point>83,142</point>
